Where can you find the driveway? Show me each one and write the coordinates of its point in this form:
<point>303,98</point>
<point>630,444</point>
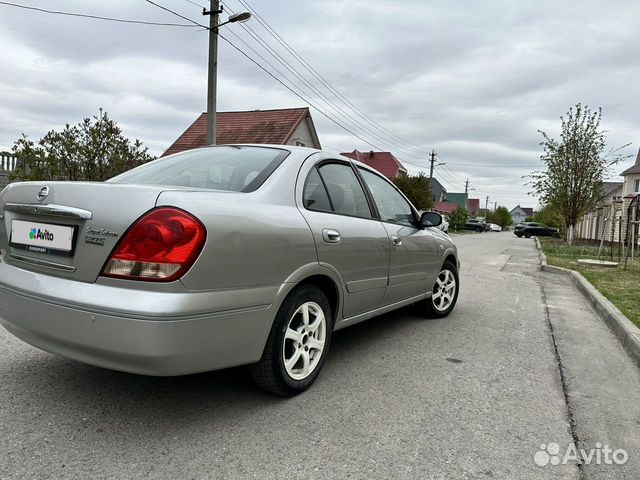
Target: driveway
<point>522,362</point>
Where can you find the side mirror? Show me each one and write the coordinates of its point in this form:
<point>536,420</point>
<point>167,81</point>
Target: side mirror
<point>430,219</point>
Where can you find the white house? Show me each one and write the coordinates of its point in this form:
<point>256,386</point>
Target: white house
<point>519,214</point>
<point>609,219</point>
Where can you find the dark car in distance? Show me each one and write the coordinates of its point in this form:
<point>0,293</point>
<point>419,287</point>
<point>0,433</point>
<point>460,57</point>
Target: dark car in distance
<point>476,225</point>
<point>530,229</point>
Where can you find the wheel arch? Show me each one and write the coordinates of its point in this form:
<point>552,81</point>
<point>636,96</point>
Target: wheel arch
<point>324,278</point>
<point>329,288</point>
<point>451,258</point>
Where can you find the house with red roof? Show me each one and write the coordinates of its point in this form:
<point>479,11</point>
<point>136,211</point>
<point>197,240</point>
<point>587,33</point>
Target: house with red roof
<point>384,162</point>
<point>287,126</point>
<point>445,207</point>
<point>474,206</point>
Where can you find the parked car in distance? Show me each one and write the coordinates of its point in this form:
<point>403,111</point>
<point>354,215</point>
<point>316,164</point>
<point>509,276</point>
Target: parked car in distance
<point>493,227</point>
<point>530,229</point>
<point>476,225</point>
<point>215,257</point>
<point>444,226</point>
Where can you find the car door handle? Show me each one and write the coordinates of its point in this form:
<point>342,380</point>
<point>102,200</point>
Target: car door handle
<point>396,241</point>
<point>330,235</point>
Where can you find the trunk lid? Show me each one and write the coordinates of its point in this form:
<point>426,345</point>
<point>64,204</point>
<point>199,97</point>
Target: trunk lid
<point>71,231</point>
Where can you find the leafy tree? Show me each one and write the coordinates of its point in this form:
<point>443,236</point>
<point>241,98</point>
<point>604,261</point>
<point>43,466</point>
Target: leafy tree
<point>94,149</point>
<point>500,216</point>
<point>458,218</point>
<point>576,168</point>
<point>550,216</point>
<point>417,188</point>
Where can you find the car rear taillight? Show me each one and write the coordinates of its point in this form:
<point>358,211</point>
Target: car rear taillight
<point>161,246</point>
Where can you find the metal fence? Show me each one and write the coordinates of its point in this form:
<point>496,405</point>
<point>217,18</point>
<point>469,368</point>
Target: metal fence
<point>8,161</point>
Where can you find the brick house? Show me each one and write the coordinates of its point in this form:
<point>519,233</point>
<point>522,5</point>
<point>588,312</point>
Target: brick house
<point>384,162</point>
<point>288,126</point>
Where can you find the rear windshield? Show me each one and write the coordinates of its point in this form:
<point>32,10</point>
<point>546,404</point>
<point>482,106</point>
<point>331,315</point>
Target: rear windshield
<point>235,169</point>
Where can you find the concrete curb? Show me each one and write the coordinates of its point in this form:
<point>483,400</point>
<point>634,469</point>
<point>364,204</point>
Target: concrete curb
<point>543,257</point>
<point>623,328</point>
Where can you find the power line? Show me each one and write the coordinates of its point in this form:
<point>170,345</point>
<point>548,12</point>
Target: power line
<point>196,4</point>
<point>96,17</point>
<point>345,115</point>
<point>290,88</point>
<point>296,93</point>
<point>177,14</point>
<point>268,72</point>
<point>495,165</point>
<point>396,139</point>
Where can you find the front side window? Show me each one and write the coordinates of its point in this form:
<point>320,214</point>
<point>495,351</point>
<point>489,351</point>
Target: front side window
<point>344,189</point>
<point>235,169</point>
<point>391,205</point>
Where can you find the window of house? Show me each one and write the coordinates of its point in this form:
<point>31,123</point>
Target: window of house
<point>344,189</point>
<point>637,186</point>
<point>391,205</point>
<point>300,144</point>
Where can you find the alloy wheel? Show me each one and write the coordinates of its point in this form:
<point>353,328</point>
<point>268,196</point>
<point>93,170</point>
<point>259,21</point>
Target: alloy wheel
<point>304,340</point>
<point>444,290</point>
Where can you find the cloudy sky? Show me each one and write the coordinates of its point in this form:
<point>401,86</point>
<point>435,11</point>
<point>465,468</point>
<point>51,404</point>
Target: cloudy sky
<point>475,80</point>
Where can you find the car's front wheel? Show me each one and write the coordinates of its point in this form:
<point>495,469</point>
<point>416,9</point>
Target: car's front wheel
<point>297,344</point>
<point>527,234</point>
<point>445,292</point>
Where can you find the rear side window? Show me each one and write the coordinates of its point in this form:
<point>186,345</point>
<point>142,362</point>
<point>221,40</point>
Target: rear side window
<point>344,189</point>
<point>234,169</point>
<point>315,195</point>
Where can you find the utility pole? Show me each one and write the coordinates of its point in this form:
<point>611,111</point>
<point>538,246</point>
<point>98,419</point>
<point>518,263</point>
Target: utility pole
<point>212,89</point>
<point>466,195</point>
<point>486,207</point>
<point>495,206</point>
<point>433,160</point>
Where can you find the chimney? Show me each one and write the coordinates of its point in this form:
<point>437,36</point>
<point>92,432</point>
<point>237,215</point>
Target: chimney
<point>371,154</point>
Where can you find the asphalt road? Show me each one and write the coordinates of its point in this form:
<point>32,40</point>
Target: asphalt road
<point>471,396</point>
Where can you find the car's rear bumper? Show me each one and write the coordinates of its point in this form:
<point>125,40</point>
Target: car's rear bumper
<point>132,342</point>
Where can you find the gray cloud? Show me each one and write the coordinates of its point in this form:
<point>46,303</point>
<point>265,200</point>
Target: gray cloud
<point>475,80</point>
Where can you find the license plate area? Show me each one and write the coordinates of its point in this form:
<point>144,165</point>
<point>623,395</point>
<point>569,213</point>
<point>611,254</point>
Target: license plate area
<point>47,238</point>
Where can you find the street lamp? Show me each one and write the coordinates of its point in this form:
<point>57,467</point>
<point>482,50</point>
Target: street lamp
<point>214,25</point>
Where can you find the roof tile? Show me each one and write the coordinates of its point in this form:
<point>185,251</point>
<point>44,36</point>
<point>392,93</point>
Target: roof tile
<point>384,162</point>
<point>255,126</point>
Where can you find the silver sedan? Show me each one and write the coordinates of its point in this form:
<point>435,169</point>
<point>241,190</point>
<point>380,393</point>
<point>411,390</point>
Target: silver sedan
<point>217,257</point>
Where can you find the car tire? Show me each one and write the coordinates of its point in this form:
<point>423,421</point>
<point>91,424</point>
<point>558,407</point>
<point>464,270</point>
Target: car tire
<point>527,234</point>
<point>433,307</point>
<point>296,348</point>
<point>479,230</point>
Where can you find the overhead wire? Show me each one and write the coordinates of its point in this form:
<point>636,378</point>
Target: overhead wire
<point>403,144</point>
<point>176,14</point>
<point>297,94</point>
<point>95,17</point>
<point>271,74</point>
<point>291,88</point>
<point>337,109</point>
<point>196,4</point>
<point>390,137</point>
